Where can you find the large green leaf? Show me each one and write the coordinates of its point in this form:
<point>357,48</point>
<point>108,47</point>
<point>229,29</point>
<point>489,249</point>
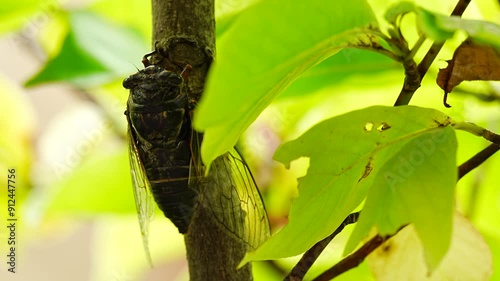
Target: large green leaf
<point>94,51</point>
<point>399,156</point>
<point>414,185</point>
<point>345,64</point>
<point>266,48</point>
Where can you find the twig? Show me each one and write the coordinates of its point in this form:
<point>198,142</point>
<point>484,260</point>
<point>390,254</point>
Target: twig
<point>408,90</point>
<point>489,135</point>
<point>478,131</point>
<point>477,160</point>
<point>417,46</point>
<point>352,260</point>
<point>309,257</point>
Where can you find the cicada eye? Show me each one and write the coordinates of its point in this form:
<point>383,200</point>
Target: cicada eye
<point>129,82</point>
<point>170,77</point>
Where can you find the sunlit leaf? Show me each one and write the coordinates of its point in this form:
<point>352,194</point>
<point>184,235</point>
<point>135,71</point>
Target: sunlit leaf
<point>346,63</point>
<point>356,153</point>
<point>414,185</point>
<point>398,9</point>
<point>441,27</point>
<point>258,59</point>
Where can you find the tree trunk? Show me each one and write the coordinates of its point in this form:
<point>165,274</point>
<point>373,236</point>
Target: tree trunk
<point>184,31</point>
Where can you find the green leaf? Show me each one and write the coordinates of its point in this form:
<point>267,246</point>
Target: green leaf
<point>63,66</point>
<point>346,63</point>
<point>441,27</point>
<point>414,185</point>
<point>398,9</point>
<point>88,58</point>
<point>258,59</point>
<point>357,151</point>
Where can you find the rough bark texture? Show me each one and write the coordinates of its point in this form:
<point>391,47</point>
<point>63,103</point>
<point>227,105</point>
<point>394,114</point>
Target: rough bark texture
<point>184,32</point>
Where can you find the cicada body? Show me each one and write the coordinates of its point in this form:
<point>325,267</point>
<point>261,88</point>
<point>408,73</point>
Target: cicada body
<point>165,162</point>
<point>160,132</point>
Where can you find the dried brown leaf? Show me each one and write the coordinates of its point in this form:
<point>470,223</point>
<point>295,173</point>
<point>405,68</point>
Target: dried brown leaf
<point>471,61</point>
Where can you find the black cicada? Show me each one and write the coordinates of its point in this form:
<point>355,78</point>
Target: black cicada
<point>165,162</point>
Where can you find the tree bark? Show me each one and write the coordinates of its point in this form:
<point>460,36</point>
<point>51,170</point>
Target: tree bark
<point>184,32</point>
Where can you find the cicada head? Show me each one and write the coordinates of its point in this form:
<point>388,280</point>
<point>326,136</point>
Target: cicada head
<point>153,85</point>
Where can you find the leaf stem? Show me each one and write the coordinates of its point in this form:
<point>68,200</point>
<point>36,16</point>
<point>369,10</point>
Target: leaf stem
<point>478,131</point>
<point>376,47</point>
<point>417,46</point>
<point>381,50</point>
<point>408,90</point>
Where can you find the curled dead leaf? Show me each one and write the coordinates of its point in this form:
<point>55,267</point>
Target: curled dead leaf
<point>471,61</point>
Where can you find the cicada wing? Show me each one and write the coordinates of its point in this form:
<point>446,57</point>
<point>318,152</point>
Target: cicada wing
<point>235,200</point>
<point>196,167</point>
<point>256,221</point>
<point>142,193</point>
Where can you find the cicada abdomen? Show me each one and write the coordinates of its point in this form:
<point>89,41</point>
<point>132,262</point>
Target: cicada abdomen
<point>160,132</point>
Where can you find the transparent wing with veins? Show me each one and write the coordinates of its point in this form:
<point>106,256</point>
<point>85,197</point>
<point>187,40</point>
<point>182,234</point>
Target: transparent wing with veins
<point>142,193</point>
<point>232,195</point>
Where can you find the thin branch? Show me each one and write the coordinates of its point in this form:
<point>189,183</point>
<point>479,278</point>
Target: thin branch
<point>408,90</point>
<point>477,160</point>
<point>417,46</point>
<point>309,257</point>
<point>352,260</point>
<point>478,131</point>
<point>492,137</point>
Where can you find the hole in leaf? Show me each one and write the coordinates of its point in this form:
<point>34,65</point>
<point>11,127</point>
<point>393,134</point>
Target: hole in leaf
<point>384,126</point>
<point>368,126</point>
